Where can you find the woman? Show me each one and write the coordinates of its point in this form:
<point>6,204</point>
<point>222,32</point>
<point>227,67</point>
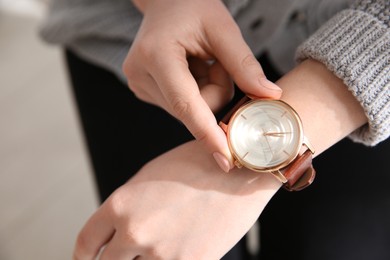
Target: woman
<point>181,56</point>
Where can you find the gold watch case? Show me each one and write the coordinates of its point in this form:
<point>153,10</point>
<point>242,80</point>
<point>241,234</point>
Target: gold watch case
<point>265,136</point>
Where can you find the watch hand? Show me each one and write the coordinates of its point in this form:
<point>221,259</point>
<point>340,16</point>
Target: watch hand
<point>277,134</point>
<point>269,146</point>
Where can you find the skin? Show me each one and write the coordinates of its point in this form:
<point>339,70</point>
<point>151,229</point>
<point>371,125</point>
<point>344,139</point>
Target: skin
<point>187,67</point>
<point>182,205</point>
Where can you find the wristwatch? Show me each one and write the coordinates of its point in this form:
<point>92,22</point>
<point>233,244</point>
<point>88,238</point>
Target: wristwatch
<point>267,136</point>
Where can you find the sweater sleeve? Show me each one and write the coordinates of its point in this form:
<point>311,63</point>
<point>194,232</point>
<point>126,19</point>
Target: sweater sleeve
<point>355,46</point>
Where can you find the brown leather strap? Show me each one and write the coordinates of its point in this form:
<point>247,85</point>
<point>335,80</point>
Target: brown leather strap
<point>300,173</point>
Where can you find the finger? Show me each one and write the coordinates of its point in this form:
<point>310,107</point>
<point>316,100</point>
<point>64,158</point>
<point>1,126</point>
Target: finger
<point>148,91</point>
<point>142,84</point>
<point>219,90</point>
<point>215,84</point>
<point>181,92</point>
<point>95,234</point>
<point>119,250</point>
<point>143,87</point>
<point>199,68</point>
<point>236,57</point>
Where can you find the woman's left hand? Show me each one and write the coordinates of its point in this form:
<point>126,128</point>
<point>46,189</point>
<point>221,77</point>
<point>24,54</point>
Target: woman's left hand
<point>179,206</point>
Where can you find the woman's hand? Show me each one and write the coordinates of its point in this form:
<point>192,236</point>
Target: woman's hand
<point>184,58</point>
<point>179,206</point>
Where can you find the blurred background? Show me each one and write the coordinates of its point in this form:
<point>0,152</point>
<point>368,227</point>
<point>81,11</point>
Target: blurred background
<point>46,186</point>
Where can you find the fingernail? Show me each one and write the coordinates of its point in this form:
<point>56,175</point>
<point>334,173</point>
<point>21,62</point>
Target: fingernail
<point>222,161</point>
<point>269,85</point>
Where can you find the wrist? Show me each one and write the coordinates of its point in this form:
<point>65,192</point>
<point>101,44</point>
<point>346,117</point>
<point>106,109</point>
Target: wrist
<point>328,111</point>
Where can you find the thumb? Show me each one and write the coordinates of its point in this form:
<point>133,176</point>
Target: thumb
<point>236,57</point>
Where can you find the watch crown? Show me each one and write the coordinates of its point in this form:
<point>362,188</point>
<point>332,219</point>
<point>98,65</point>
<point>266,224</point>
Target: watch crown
<point>238,164</point>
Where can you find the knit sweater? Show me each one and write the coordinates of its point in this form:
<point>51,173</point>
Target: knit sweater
<point>352,40</point>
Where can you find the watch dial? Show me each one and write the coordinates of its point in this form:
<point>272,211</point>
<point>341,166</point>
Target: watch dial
<point>265,134</point>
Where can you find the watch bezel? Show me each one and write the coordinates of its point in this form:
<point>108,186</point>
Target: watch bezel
<point>292,156</point>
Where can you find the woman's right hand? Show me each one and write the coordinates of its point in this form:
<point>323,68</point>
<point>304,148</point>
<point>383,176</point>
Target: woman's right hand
<point>184,58</point>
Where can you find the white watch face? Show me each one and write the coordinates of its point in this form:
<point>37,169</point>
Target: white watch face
<point>265,134</point>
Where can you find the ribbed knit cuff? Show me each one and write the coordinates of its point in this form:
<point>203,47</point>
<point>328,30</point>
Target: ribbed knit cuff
<point>355,46</point>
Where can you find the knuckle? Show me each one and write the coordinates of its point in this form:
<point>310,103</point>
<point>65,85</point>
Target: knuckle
<point>116,205</point>
<point>132,74</point>
<point>155,252</point>
<point>134,82</point>
<point>180,107</point>
<point>131,236</point>
<point>249,61</point>
<point>129,69</point>
<point>224,26</point>
<point>142,96</point>
<point>232,28</point>
<point>201,136</point>
<point>81,246</point>
<point>138,92</point>
<point>249,65</point>
<point>143,51</point>
<point>133,88</point>
<point>147,48</point>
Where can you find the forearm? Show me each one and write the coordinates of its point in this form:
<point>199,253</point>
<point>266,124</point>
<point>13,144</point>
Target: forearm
<point>328,110</point>
<point>354,45</point>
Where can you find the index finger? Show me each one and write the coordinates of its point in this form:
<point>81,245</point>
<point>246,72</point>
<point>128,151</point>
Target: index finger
<point>186,103</point>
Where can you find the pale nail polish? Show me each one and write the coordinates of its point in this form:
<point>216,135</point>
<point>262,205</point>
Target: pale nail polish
<point>222,161</point>
<point>269,84</point>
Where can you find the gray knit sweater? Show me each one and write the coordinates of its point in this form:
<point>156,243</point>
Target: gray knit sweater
<point>352,40</point>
